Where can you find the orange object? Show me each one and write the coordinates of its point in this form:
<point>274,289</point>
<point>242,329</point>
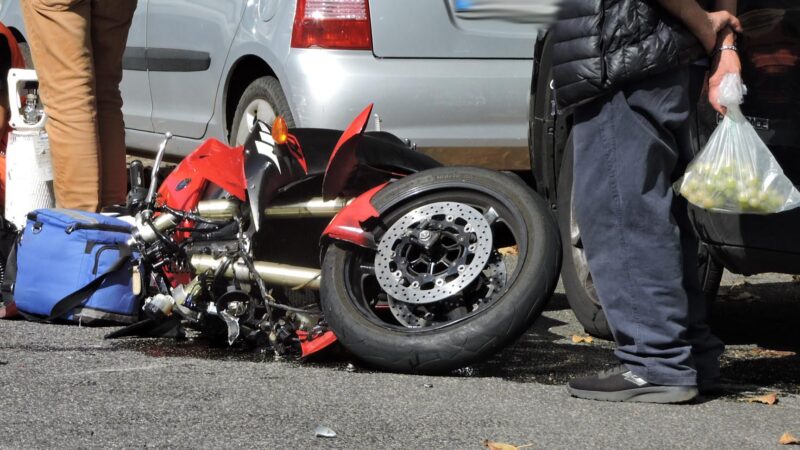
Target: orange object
<point>280,131</point>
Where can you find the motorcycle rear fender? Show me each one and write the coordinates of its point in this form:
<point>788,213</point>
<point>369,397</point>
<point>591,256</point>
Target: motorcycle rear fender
<point>347,225</point>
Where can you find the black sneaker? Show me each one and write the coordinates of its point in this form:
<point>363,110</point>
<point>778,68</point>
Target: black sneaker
<point>619,384</point>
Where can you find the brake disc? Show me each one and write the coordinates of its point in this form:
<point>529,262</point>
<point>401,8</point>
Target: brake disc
<point>433,252</point>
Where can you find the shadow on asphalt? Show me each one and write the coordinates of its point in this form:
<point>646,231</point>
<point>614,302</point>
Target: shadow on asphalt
<point>760,329</point>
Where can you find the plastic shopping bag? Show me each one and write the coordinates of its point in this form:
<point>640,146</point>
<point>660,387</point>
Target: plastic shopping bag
<point>735,172</point>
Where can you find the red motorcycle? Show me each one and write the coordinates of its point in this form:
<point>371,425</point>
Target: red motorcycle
<point>423,268</point>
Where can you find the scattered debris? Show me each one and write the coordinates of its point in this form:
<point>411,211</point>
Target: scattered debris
<point>767,399</point>
<point>585,339</point>
<point>324,432</point>
<point>467,371</point>
<point>788,439</point>
<point>3,362</point>
<point>501,446</point>
<point>427,385</point>
<point>350,367</point>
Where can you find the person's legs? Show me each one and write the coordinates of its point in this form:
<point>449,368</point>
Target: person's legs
<point>111,20</point>
<point>58,35</point>
<point>706,348</point>
<point>626,150</point>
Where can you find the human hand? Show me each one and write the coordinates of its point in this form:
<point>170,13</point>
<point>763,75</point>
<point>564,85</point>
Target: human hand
<point>709,28</point>
<point>725,62</point>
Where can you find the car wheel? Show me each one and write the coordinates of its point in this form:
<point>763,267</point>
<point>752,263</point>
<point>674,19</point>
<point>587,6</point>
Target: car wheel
<point>262,100</point>
<point>575,274</point>
<point>710,271</point>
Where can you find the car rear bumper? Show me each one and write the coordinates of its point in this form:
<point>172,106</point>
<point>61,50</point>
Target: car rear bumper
<point>748,243</point>
<point>432,102</point>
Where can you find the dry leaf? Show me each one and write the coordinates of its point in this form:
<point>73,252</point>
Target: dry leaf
<point>766,353</point>
<point>788,439</point>
<point>513,250</point>
<point>578,339</point>
<point>767,399</point>
<point>501,446</point>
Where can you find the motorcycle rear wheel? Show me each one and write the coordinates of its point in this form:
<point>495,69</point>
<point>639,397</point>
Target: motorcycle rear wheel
<point>495,308</point>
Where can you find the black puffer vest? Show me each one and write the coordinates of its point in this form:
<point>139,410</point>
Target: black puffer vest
<point>601,45</point>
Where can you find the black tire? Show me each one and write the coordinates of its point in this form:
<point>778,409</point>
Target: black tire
<point>267,90</point>
<point>710,271</point>
<point>575,274</point>
<point>451,345</point>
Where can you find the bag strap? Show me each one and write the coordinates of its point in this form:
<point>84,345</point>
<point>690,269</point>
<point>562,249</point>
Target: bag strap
<point>10,276</point>
<point>68,303</point>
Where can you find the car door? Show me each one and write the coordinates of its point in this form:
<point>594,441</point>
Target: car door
<point>435,29</point>
<point>490,60</point>
<point>135,86</point>
<point>187,45</point>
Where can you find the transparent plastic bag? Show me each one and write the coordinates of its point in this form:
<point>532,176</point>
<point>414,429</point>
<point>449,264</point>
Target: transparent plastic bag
<point>735,172</point>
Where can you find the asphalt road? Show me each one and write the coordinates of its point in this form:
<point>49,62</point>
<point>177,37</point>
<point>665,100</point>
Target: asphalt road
<point>64,386</point>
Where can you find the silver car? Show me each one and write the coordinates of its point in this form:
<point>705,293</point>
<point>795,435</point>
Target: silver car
<point>457,88</point>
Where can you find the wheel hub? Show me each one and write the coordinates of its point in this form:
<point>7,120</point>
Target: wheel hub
<point>422,315</point>
<point>433,252</point>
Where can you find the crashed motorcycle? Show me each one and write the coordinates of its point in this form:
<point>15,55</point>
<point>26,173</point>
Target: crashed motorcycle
<point>303,237</point>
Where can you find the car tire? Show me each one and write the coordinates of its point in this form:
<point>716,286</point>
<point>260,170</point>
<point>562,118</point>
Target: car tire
<point>263,100</point>
<point>577,279</point>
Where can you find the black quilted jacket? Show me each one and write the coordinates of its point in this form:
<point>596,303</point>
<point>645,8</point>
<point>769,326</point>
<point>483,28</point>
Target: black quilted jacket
<point>601,45</point>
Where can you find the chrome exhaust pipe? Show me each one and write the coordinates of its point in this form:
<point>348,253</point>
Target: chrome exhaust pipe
<point>224,209</point>
<point>272,273</point>
<point>315,207</point>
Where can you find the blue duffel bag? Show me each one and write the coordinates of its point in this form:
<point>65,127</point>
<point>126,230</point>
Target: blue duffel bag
<point>73,266</point>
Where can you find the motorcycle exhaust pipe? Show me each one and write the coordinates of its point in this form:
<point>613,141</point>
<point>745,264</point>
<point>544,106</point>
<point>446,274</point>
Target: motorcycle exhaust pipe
<point>224,209</point>
<point>272,273</point>
<point>313,208</point>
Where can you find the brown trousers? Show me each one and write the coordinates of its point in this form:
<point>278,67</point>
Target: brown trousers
<point>77,48</point>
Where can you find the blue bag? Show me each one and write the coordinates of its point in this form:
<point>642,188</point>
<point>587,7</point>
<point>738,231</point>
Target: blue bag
<point>75,266</point>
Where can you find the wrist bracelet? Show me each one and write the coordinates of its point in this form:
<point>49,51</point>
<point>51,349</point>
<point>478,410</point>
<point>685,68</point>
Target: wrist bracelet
<point>725,47</point>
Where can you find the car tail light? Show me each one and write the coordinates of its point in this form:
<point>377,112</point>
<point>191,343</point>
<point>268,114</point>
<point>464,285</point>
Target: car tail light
<point>334,24</point>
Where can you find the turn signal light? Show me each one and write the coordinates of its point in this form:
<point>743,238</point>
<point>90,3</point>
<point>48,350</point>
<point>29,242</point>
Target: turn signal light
<point>332,24</point>
<point>280,131</point>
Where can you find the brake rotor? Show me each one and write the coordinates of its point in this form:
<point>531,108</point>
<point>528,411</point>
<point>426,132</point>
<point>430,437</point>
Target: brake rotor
<point>433,252</point>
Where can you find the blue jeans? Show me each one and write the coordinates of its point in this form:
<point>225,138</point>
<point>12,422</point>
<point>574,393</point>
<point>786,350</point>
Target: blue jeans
<point>630,146</point>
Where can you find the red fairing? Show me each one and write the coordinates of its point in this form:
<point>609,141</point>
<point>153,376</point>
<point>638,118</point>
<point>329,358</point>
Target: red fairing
<point>213,161</point>
<point>346,226</point>
<point>343,161</point>
<point>357,127</point>
<point>318,343</point>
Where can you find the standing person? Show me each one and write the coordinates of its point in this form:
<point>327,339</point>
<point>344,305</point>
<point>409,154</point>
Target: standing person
<point>624,66</point>
<point>77,48</point>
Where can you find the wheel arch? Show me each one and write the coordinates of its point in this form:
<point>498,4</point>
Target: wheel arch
<point>548,131</point>
<point>244,71</point>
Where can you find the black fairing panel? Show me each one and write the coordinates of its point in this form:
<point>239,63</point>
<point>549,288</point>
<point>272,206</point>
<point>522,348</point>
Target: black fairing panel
<point>378,149</point>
